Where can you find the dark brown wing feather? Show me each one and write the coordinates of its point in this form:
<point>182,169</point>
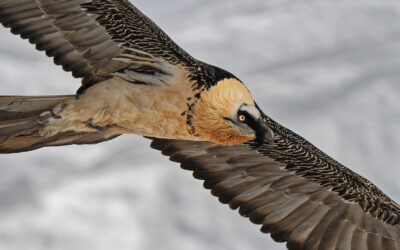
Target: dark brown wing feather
<point>92,39</point>
<point>296,192</point>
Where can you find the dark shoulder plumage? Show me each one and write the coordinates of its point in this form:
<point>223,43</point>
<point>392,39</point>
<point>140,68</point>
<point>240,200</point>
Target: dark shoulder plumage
<point>208,75</point>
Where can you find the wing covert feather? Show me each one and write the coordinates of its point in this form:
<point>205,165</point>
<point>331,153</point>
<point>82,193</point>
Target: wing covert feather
<point>95,39</point>
<point>288,188</point>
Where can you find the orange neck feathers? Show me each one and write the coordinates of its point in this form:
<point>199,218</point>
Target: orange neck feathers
<point>221,101</point>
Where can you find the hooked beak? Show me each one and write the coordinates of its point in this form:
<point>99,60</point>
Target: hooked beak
<point>263,133</point>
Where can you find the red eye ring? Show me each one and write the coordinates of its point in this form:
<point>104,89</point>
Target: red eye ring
<point>242,118</point>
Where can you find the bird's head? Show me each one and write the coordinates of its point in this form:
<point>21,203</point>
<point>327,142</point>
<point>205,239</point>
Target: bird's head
<point>226,114</point>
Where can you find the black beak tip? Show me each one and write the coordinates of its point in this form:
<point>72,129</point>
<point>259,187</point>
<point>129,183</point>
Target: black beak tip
<point>264,135</point>
<point>269,140</point>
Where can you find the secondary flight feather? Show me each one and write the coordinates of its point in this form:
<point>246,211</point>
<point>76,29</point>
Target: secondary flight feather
<point>136,80</point>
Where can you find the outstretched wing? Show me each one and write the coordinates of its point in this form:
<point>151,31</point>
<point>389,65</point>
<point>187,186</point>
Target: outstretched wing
<point>295,191</point>
<point>94,39</point>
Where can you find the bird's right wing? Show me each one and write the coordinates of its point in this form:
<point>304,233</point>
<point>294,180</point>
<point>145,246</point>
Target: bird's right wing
<point>96,39</point>
<point>296,192</point>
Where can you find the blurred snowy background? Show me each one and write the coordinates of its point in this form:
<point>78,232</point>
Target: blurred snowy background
<point>329,70</point>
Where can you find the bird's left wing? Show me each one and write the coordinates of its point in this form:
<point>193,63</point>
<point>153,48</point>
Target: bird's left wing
<point>298,194</point>
<point>96,39</point>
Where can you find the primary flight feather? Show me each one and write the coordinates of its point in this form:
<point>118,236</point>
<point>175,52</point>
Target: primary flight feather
<point>136,80</point>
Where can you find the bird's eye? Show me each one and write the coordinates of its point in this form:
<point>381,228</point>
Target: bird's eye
<point>242,118</point>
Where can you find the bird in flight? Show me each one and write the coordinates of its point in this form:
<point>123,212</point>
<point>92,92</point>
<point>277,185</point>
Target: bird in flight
<point>136,80</point>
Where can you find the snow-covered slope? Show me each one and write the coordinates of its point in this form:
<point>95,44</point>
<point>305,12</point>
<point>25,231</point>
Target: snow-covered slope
<point>329,70</point>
